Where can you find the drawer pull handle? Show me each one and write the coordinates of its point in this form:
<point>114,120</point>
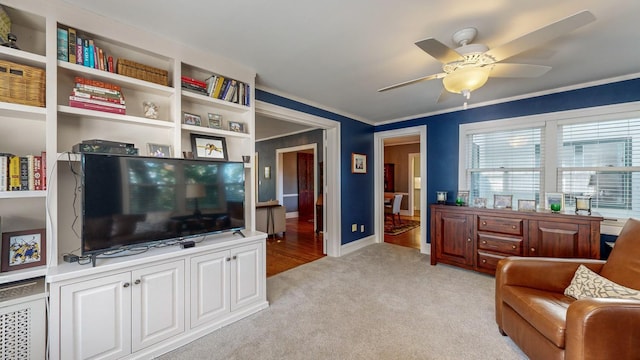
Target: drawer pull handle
<point>484,223</point>
<point>513,246</point>
<point>533,250</point>
<point>513,227</point>
<point>484,242</point>
<point>137,282</point>
<point>468,239</point>
<point>484,261</point>
<point>126,285</point>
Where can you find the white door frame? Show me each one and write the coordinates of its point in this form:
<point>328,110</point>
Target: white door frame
<point>280,173</point>
<point>332,183</point>
<point>411,187</point>
<point>378,146</point>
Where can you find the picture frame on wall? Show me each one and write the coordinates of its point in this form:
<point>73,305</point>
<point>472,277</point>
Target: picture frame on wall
<point>358,163</point>
<point>502,201</point>
<point>159,150</point>
<point>209,147</point>
<point>23,249</point>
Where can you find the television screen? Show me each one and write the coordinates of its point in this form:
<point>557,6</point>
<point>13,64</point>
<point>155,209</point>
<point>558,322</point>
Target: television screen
<point>133,200</point>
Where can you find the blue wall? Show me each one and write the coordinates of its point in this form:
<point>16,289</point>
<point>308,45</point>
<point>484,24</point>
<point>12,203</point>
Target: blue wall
<point>442,130</point>
<point>356,189</point>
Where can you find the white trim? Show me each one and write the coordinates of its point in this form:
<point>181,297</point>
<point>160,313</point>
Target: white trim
<point>358,244</point>
<point>332,191</point>
<point>378,204</point>
<point>286,134</point>
<point>291,215</point>
<point>412,190</point>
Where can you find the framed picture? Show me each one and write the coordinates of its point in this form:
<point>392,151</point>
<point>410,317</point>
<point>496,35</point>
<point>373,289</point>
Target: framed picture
<point>553,198</point>
<point>191,119</point>
<point>480,202</point>
<point>502,201</point>
<point>159,150</point>
<point>215,121</point>
<point>526,205</point>
<point>358,163</point>
<point>23,249</point>
<point>462,198</point>
<point>208,147</point>
<point>236,126</point>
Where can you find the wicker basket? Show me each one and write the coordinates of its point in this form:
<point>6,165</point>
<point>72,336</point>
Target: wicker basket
<point>22,84</point>
<point>142,72</point>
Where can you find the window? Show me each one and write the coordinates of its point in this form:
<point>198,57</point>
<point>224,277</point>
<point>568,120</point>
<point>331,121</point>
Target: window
<point>597,159</point>
<point>508,162</point>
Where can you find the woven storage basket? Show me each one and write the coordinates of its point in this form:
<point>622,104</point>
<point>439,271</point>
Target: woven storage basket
<point>142,72</point>
<point>22,84</point>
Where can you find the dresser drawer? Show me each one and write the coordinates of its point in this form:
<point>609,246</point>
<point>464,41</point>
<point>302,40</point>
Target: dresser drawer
<point>500,225</point>
<point>500,244</point>
<point>487,261</point>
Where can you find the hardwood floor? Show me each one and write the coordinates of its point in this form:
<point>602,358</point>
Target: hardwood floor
<point>299,245</point>
<point>410,238</point>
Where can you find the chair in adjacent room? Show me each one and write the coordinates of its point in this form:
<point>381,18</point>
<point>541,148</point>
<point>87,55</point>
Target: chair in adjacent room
<point>556,308</point>
<point>393,209</point>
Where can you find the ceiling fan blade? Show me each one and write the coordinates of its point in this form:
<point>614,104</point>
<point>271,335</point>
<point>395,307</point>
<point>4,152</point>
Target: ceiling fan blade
<point>506,70</point>
<point>438,50</point>
<point>541,36</point>
<point>425,78</point>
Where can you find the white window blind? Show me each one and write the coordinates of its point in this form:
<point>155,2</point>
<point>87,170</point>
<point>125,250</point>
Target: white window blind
<point>507,162</point>
<point>601,159</point>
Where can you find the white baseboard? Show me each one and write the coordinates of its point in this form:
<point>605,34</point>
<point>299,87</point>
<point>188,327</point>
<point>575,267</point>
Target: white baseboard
<point>357,245</point>
<point>293,214</point>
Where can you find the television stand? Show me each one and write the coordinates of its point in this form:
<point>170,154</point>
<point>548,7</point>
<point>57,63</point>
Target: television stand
<point>238,232</point>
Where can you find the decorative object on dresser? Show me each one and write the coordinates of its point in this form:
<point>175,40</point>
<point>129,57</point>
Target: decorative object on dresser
<point>209,147</point>
<point>476,239</point>
<point>441,197</point>
<point>502,201</point>
<point>526,205</point>
<point>23,249</point>
<point>358,163</point>
<point>462,199</point>
<point>554,201</point>
<point>583,204</point>
<point>480,202</point>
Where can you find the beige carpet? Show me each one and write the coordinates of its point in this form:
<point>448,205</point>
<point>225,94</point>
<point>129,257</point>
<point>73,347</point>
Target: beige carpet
<point>381,302</point>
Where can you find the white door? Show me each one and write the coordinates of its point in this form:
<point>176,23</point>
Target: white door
<point>157,303</point>
<point>209,287</point>
<point>247,270</point>
<point>96,318</point>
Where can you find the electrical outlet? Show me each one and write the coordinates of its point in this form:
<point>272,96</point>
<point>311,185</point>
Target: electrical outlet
<point>361,228</point>
<point>354,227</point>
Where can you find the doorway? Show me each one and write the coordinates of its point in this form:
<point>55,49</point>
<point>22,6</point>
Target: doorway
<point>405,135</point>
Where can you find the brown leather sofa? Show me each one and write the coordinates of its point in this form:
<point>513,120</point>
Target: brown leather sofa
<point>533,311</point>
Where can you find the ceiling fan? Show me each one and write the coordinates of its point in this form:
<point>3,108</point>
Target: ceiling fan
<point>469,66</point>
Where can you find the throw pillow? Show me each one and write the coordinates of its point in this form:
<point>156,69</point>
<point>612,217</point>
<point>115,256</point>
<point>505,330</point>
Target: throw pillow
<point>588,284</point>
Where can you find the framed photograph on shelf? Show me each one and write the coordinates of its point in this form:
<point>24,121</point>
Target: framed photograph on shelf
<point>215,121</point>
<point>209,147</point>
<point>159,150</point>
<point>555,199</point>
<point>191,119</point>
<point>462,198</point>
<point>23,249</point>
<point>358,163</point>
<point>526,205</point>
<point>236,126</point>
<point>480,202</point>
<point>502,201</point>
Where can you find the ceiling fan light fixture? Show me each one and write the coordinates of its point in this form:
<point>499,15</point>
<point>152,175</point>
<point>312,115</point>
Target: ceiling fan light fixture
<point>468,79</point>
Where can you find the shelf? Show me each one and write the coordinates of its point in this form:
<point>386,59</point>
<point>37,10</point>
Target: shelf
<point>22,57</point>
<point>24,274</point>
<point>124,81</point>
<point>209,101</point>
<point>210,131</point>
<point>12,110</point>
<point>116,117</point>
<point>22,194</point>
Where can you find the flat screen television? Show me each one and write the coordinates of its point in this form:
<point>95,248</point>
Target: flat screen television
<point>135,201</point>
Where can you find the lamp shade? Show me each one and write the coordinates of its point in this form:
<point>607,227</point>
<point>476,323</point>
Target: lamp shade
<point>195,191</point>
<point>469,79</point>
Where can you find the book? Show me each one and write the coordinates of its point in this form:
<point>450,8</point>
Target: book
<point>211,83</point>
<point>24,173</point>
<point>37,173</point>
<point>228,91</point>
<point>43,155</point>
<point>72,45</point>
<point>97,107</point>
<point>219,84</point>
<point>101,59</point>
<point>98,102</point>
<point>92,57</point>
<point>199,83</point>
<point>79,51</point>
<point>30,173</point>
<point>85,52</point>
<point>91,95</point>
<point>14,173</point>
<point>4,172</point>
<point>96,83</point>
<point>63,44</point>
<point>110,62</point>
<point>99,91</point>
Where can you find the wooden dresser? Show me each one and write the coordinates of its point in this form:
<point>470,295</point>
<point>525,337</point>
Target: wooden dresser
<point>476,239</point>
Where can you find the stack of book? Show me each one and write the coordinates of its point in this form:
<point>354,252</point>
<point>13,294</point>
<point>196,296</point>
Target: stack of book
<point>194,85</point>
<point>82,50</point>
<point>22,173</point>
<point>227,89</point>
<point>97,95</point>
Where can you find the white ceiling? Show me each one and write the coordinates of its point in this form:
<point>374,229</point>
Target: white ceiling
<point>336,54</point>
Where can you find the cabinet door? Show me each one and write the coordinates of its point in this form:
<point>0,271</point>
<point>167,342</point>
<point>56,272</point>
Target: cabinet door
<point>157,304</point>
<point>96,318</point>
<point>247,274</point>
<point>454,234</point>
<point>209,287</point>
<point>558,239</point>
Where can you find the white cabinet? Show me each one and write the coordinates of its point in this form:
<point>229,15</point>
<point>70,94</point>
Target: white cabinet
<point>111,316</point>
<point>225,281</point>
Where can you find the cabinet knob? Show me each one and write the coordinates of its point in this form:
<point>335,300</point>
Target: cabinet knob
<point>228,259</point>
<point>533,250</point>
<point>513,227</point>
<point>126,285</point>
<point>468,239</point>
<point>513,246</point>
<point>234,257</point>
<point>484,261</point>
<point>137,282</point>
<point>484,242</point>
<point>484,223</point>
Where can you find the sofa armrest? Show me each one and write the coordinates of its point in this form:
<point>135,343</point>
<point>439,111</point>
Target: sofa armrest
<point>602,329</point>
